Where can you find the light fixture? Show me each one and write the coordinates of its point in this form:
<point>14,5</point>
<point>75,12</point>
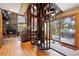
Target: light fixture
<point>7,22</point>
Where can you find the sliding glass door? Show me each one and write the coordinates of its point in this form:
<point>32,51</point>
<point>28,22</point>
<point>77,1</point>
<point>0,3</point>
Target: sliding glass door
<point>67,30</point>
<point>63,30</point>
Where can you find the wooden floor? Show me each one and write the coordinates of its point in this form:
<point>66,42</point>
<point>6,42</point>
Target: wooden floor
<point>13,47</point>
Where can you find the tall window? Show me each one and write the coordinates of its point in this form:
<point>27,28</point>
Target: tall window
<point>67,30</point>
<point>55,30</point>
<point>21,24</point>
<point>63,30</point>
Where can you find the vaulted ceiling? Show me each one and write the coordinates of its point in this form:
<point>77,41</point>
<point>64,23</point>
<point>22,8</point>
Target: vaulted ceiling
<point>19,8</point>
<point>67,6</point>
<point>15,7</point>
<point>22,7</point>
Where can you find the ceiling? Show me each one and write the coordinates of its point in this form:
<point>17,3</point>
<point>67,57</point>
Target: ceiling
<point>22,7</point>
<point>67,6</point>
<point>19,8</point>
<point>15,7</point>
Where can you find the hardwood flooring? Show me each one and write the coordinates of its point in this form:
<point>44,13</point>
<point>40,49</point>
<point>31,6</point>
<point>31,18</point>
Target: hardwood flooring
<point>14,47</point>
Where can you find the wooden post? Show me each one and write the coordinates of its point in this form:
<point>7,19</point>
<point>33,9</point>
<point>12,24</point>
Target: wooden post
<point>0,29</point>
<point>77,31</point>
<point>39,23</point>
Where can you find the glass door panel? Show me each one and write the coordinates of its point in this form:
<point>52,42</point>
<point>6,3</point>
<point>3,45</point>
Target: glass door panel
<point>54,28</point>
<point>67,30</point>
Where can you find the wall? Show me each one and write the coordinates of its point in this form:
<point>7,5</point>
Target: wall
<point>77,31</point>
<point>14,21</point>
<point>0,29</point>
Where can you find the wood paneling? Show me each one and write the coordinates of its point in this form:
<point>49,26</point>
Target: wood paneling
<point>0,29</point>
<point>77,31</point>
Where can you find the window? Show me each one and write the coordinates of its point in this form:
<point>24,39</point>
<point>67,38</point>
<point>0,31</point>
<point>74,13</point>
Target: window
<point>21,19</point>
<point>22,24</point>
<point>54,25</point>
<point>67,30</point>
<point>63,30</point>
